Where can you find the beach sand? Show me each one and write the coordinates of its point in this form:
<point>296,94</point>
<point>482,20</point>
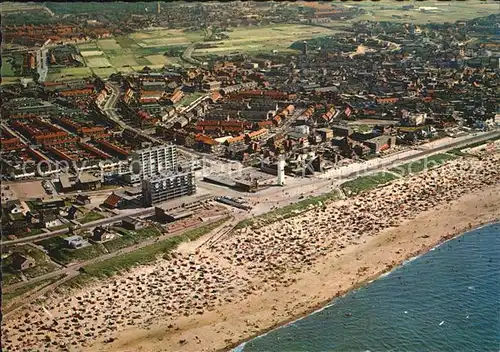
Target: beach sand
<point>333,276</point>
<point>217,297</point>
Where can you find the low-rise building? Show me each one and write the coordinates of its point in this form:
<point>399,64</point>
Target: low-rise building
<point>76,242</point>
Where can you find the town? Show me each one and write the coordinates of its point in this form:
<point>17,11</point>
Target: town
<point>124,139</point>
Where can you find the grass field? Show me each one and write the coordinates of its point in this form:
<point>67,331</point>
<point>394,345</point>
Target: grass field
<point>69,73</point>
<point>7,297</point>
<point>147,48</point>
<point>43,265</point>
<point>422,164</point>
<point>264,39</point>
<point>128,238</point>
<point>7,69</point>
<point>97,61</point>
<point>123,60</point>
<point>365,183</point>
<point>57,249</point>
<point>108,44</point>
<point>20,6</point>
<point>461,151</point>
<point>90,216</point>
<point>87,53</point>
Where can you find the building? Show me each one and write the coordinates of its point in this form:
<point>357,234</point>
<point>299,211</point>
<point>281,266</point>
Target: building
<point>124,199</point>
<point>21,261</point>
<point>281,172</point>
<point>413,119</point>
<point>171,215</point>
<point>76,242</point>
<point>166,187</point>
<point>380,143</point>
<point>342,131</point>
<point>101,234</point>
<point>151,162</point>
<point>133,224</point>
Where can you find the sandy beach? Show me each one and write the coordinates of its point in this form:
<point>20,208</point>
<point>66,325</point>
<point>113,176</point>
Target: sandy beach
<point>217,297</point>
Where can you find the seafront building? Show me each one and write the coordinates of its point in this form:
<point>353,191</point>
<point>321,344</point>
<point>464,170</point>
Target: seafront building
<point>151,162</point>
<point>166,187</point>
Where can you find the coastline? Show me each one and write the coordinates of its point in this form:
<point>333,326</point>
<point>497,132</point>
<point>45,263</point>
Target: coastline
<point>239,346</point>
<point>214,299</point>
<point>235,319</point>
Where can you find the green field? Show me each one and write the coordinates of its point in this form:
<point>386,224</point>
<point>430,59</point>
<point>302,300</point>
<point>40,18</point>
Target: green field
<point>43,264</point>
<point>145,255</point>
<point>7,69</point>
<point>20,6</point>
<point>422,164</point>
<point>108,44</point>
<point>7,297</point>
<point>253,40</point>
<point>91,216</point>
<point>459,151</point>
<point>97,62</point>
<point>69,73</point>
<point>57,249</point>
<point>129,238</point>
<point>158,47</point>
<point>365,183</point>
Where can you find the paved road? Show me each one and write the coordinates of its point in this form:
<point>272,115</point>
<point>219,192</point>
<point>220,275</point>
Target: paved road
<point>110,110</point>
<point>113,219</point>
<point>42,68</point>
<point>71,269</point>
<point>292,192</point>
<point>107,221</point>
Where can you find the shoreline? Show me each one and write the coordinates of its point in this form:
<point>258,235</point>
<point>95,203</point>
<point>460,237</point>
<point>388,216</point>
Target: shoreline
<point>484,211</point>
<point>330,302</point>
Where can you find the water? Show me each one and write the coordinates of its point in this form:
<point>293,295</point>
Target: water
<point>445,300</point>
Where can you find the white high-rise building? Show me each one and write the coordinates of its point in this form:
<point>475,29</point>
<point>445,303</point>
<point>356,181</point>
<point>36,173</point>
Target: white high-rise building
<point>152,162</point>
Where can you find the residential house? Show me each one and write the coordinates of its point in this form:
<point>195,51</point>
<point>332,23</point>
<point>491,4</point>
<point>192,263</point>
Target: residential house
<point>101,234</point>
<point>21,261</point>
<point>76,242</point>
<point>132,224</point>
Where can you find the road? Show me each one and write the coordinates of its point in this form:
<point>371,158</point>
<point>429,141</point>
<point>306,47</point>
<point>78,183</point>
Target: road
<point>41,63</point>
<point>107,221</point>
<point>186,55</point>
<point>113,219</point>
<point>297,188</point>
<point>72,269</point>
<point>110,110</point>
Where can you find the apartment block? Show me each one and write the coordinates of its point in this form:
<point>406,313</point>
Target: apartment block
<point>167,187</point>
<point>151,162</point>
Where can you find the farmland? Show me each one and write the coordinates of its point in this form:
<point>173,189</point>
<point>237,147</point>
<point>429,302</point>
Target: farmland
<point>252,40</point>
<point>156,47</point>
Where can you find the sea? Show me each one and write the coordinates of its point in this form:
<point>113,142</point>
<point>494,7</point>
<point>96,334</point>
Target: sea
<point>445,300</point>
